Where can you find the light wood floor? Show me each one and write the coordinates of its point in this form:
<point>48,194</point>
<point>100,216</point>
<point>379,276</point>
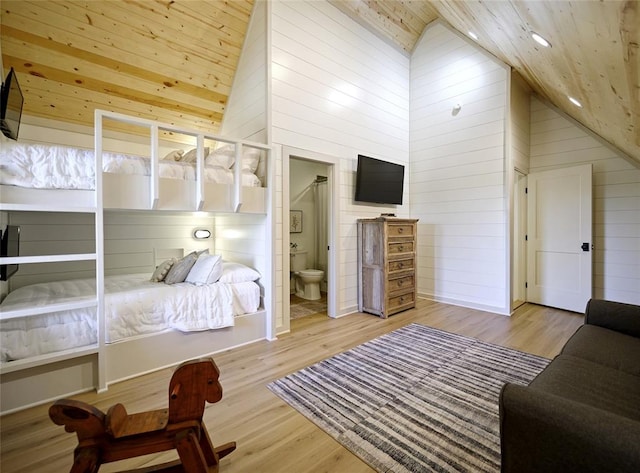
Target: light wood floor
<point>271,436</point>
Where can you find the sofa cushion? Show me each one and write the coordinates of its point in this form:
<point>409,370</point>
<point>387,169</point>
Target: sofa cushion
<point>591,383</point>
<point>605,347</point>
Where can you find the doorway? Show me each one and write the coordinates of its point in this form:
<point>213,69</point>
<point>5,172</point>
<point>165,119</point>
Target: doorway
<point>309,233</point>
<point>559,245</point>
<point>519,269</point>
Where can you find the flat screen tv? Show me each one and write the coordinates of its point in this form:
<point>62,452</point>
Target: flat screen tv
<point>379,181</point>
<point>9,247</point>
<point>11,106</point>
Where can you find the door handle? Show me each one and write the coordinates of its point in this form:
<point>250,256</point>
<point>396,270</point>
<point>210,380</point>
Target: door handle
<point>585,247</point>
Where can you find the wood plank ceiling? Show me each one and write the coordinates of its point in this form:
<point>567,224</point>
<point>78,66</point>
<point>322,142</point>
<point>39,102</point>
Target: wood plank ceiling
<point>175,60</point>
<point>165,60</point>
<point>594,55</point>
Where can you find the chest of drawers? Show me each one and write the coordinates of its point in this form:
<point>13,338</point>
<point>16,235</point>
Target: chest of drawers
<point>386,265</point>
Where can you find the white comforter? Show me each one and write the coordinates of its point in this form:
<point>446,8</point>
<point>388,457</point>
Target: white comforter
<point>61,167</point>
<point>133,306</point>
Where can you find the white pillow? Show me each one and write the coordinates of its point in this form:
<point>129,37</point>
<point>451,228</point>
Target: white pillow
<point>237,272</point>
<point>224,156</point>
<point>207,270</point>
<point>191,156</point>
<point>250,159</point>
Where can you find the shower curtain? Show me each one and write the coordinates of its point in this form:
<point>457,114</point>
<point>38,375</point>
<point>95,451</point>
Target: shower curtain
<point>320,202</point>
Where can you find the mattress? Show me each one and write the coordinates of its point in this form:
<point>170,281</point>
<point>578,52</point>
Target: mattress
<point>134,306</point>
<point>39,166</point>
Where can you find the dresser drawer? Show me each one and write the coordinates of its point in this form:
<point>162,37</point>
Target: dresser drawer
<point>401,265</point>
<point>401,302</point>
<point>400,229</point>
<point>396,247</point>
<point>401,284</point>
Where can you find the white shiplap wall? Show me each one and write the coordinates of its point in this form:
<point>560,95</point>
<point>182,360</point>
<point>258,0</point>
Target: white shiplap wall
<point>246,111</point>
<point>519,142</point>
<point>458,171</point>
<point>520,118</point>
<point>557,141</point>
<point>338,90</point>
<point>129,240</point>
<point>241,238</point>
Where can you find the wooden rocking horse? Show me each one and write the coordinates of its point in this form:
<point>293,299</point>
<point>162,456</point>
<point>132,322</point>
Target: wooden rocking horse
<point>116,435</point>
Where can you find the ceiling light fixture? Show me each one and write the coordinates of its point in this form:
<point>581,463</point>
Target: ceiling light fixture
<point>574,101</point>
<point>540,40</point>
<point>473,35</point>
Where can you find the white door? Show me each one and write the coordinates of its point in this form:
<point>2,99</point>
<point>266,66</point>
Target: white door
<point>559,240</point>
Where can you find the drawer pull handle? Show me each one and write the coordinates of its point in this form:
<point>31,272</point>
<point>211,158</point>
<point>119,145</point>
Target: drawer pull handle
<point>400,230</point>
<point>400,265</point>
<point>400,248</point>
<point>402,299</point>
<point>399,283</point>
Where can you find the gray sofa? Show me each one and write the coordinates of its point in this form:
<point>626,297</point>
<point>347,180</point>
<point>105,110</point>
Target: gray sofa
<point>582,413</point>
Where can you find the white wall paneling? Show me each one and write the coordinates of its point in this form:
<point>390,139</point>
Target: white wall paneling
<point>129,241</point>
<point>556,141</point>
<point>517,168</point>
<point>458,159</point>
<point>246,111</point>
<point>338,90</point>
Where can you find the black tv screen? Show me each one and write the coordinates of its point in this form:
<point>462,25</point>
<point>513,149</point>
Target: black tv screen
<point>11,106</point>
<point>9,247</point>
<point>379,181</point>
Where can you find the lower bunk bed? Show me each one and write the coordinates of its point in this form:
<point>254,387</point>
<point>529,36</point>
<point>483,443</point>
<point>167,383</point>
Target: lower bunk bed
<point>148,325</point>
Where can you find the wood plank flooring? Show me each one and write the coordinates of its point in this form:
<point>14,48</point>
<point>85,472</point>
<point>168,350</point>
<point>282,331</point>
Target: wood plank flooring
<point>271,436</point>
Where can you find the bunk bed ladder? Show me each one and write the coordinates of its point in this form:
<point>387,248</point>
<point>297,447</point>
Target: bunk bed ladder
<point>99,235</point>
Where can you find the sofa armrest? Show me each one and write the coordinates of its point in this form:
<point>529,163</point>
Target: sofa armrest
<point>544,433</point>
<point>624,318</point>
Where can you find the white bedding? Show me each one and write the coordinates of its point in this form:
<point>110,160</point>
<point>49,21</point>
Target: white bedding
<point>134,306</point>
<point>60,167</point>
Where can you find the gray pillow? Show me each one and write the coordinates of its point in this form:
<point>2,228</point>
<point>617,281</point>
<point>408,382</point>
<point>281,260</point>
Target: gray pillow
<point>161,271</point>
<point>180,269</point>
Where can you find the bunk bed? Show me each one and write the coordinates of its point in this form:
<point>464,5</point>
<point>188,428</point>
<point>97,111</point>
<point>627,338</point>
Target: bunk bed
<point>203,178</point>
<point>95,345</point>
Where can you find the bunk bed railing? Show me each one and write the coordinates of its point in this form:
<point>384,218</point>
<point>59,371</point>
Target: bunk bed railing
<point>155,128</point>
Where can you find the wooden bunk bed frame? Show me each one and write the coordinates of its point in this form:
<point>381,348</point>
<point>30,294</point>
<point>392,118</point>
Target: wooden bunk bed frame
<point>45,378</point>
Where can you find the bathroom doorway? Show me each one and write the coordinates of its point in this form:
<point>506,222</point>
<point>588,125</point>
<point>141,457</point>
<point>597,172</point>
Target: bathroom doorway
<point>309,220</point>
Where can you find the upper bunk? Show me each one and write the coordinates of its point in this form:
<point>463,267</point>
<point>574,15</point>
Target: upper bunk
<point>145,165</point>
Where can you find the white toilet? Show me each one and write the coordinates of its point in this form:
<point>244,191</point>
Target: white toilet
<point>307,281</point>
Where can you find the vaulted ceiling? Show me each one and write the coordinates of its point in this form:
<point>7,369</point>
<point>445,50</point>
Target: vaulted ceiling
<point>594,55</point>
<point>175,60</point>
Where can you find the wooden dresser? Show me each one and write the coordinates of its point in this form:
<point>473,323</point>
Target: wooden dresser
<point>386,265</point>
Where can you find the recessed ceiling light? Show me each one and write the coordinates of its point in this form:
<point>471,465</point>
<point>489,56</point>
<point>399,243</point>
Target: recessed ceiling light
<point>540,40</point>
<point>473,35</point>
<point>574,101</point>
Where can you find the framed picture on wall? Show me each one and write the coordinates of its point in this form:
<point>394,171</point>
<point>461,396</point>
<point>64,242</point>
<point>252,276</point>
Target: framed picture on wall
<point>295,221</point>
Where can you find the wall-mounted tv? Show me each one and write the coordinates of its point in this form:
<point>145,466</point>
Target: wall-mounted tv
<point>9,247</point>
<point>11,101</point>
<point>379,181</point>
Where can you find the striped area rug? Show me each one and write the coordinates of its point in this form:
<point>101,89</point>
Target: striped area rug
<point>415,400</point>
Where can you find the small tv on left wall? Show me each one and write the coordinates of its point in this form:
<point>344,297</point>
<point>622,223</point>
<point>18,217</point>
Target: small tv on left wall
<point>9,247</point>
<point>11,101</point>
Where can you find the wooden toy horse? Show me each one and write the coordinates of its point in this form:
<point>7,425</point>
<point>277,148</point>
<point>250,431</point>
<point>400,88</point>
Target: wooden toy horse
<point>104,438</point>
